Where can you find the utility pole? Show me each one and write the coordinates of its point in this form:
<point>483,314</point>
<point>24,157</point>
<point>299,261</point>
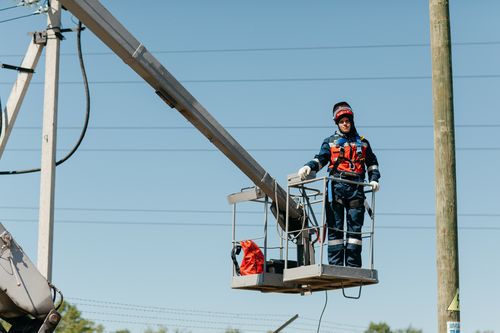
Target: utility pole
<point>445,175</point>
<point>48,167</point>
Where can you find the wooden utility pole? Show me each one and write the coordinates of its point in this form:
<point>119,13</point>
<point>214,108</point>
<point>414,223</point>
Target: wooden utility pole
<point>445,175</point>
<point>48,167</point>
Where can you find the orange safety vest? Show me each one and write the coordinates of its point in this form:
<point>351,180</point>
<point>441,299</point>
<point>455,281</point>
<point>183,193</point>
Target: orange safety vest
<point>347,156</point>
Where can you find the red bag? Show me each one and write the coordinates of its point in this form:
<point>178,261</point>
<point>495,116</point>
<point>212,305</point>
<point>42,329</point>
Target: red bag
<point>253,259</point>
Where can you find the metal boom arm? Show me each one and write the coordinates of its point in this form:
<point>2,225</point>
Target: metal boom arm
<point>107,28</point>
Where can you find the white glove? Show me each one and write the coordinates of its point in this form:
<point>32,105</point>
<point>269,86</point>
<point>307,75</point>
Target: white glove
<point>304,172</point>
<point>375,186</point>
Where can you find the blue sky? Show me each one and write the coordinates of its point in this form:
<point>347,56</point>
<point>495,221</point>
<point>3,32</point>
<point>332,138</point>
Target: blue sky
<point>281,65</point>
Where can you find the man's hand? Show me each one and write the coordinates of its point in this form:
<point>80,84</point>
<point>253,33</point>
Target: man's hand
<point>375,186</point>
<point>304,172</point>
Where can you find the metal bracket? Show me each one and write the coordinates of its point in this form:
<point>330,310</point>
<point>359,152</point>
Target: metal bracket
<point>306,290</point>
<point>40,37</point>
<point>17,68</point>
<point>6,237</point>
<point>352,297</point>
<point>57,32</point>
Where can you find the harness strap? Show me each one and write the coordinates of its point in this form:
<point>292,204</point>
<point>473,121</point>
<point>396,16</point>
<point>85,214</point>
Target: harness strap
<point>234,252</point>
<point>354,203</point>
<point>330,190</point>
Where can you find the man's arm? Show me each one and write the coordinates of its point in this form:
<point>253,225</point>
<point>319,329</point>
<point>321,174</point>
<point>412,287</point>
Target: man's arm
<point>322,158</point>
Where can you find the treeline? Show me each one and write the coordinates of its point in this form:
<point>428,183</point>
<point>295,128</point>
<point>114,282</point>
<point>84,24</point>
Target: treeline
<point>73,322</point>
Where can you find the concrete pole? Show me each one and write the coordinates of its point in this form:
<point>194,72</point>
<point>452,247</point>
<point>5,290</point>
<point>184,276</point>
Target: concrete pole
<point>444,159</point>
<point>48,167</point>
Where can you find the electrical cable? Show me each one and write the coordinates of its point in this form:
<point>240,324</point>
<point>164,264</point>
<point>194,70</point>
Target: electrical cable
<point>20,17</point>
<point>119,309</point>
<point>298,79</point>
<point>322,312</point>
<point>7,8</point>
<point>39,11</point>
<point>228,225</point>
<point>87,111</point>
<point>286,49</point>
<point>54,296</point>
<point>161,309</point>
<point>170,319</point>
<point>206,211</point>
<point>255,127</point>
<point>260,150</point>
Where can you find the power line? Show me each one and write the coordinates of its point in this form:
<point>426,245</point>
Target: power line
<point>272,127</point>
<point>270,80</point>
<point>20,17</point>
<point>196,211</point>
<point>207,211</point>
<point>172,224</point>
<point>8,8</point>
<point>225,225</point>
<point>270,317</point>
<point>209,150</point>
<point>190,320</point>
<point>105,320</point>
<point>169,310</point>
<point>255,321</point>
<point>246,327</point>
<point>283,49</point>
<point>39,11</point>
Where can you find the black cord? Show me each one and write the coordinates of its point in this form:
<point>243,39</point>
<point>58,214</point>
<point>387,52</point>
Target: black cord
<point>20,17</point>
<point>322,312</point>
<point>87,95</point>
<point>87,112</point>
<point>54,296</point>
<point>7,8</point>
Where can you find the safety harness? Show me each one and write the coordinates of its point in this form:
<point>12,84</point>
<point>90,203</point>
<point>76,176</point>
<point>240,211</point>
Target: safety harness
<point>355,163</point>
<point>337,157</point>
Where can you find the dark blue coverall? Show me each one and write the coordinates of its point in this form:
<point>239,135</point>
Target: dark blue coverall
<point>346,200</point>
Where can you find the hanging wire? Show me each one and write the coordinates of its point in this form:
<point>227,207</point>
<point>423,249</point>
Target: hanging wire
<point>322,312</point>
<point>87,112</point>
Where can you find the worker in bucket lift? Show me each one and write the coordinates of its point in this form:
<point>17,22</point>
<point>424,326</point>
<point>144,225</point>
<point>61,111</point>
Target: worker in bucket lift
<point>349,156</point>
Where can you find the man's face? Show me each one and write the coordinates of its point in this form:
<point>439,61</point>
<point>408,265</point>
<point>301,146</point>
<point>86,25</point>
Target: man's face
<point>345,125</point>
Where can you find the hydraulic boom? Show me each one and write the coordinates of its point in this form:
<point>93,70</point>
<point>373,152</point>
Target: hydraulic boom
<point>107,28</point>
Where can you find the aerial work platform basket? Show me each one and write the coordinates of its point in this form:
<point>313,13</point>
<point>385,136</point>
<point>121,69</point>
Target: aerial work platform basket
<point>307,271</point>
<point>271,277</point>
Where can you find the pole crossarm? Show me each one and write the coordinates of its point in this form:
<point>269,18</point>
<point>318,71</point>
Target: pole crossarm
<point>107,28</point>
<point>18,92</point>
